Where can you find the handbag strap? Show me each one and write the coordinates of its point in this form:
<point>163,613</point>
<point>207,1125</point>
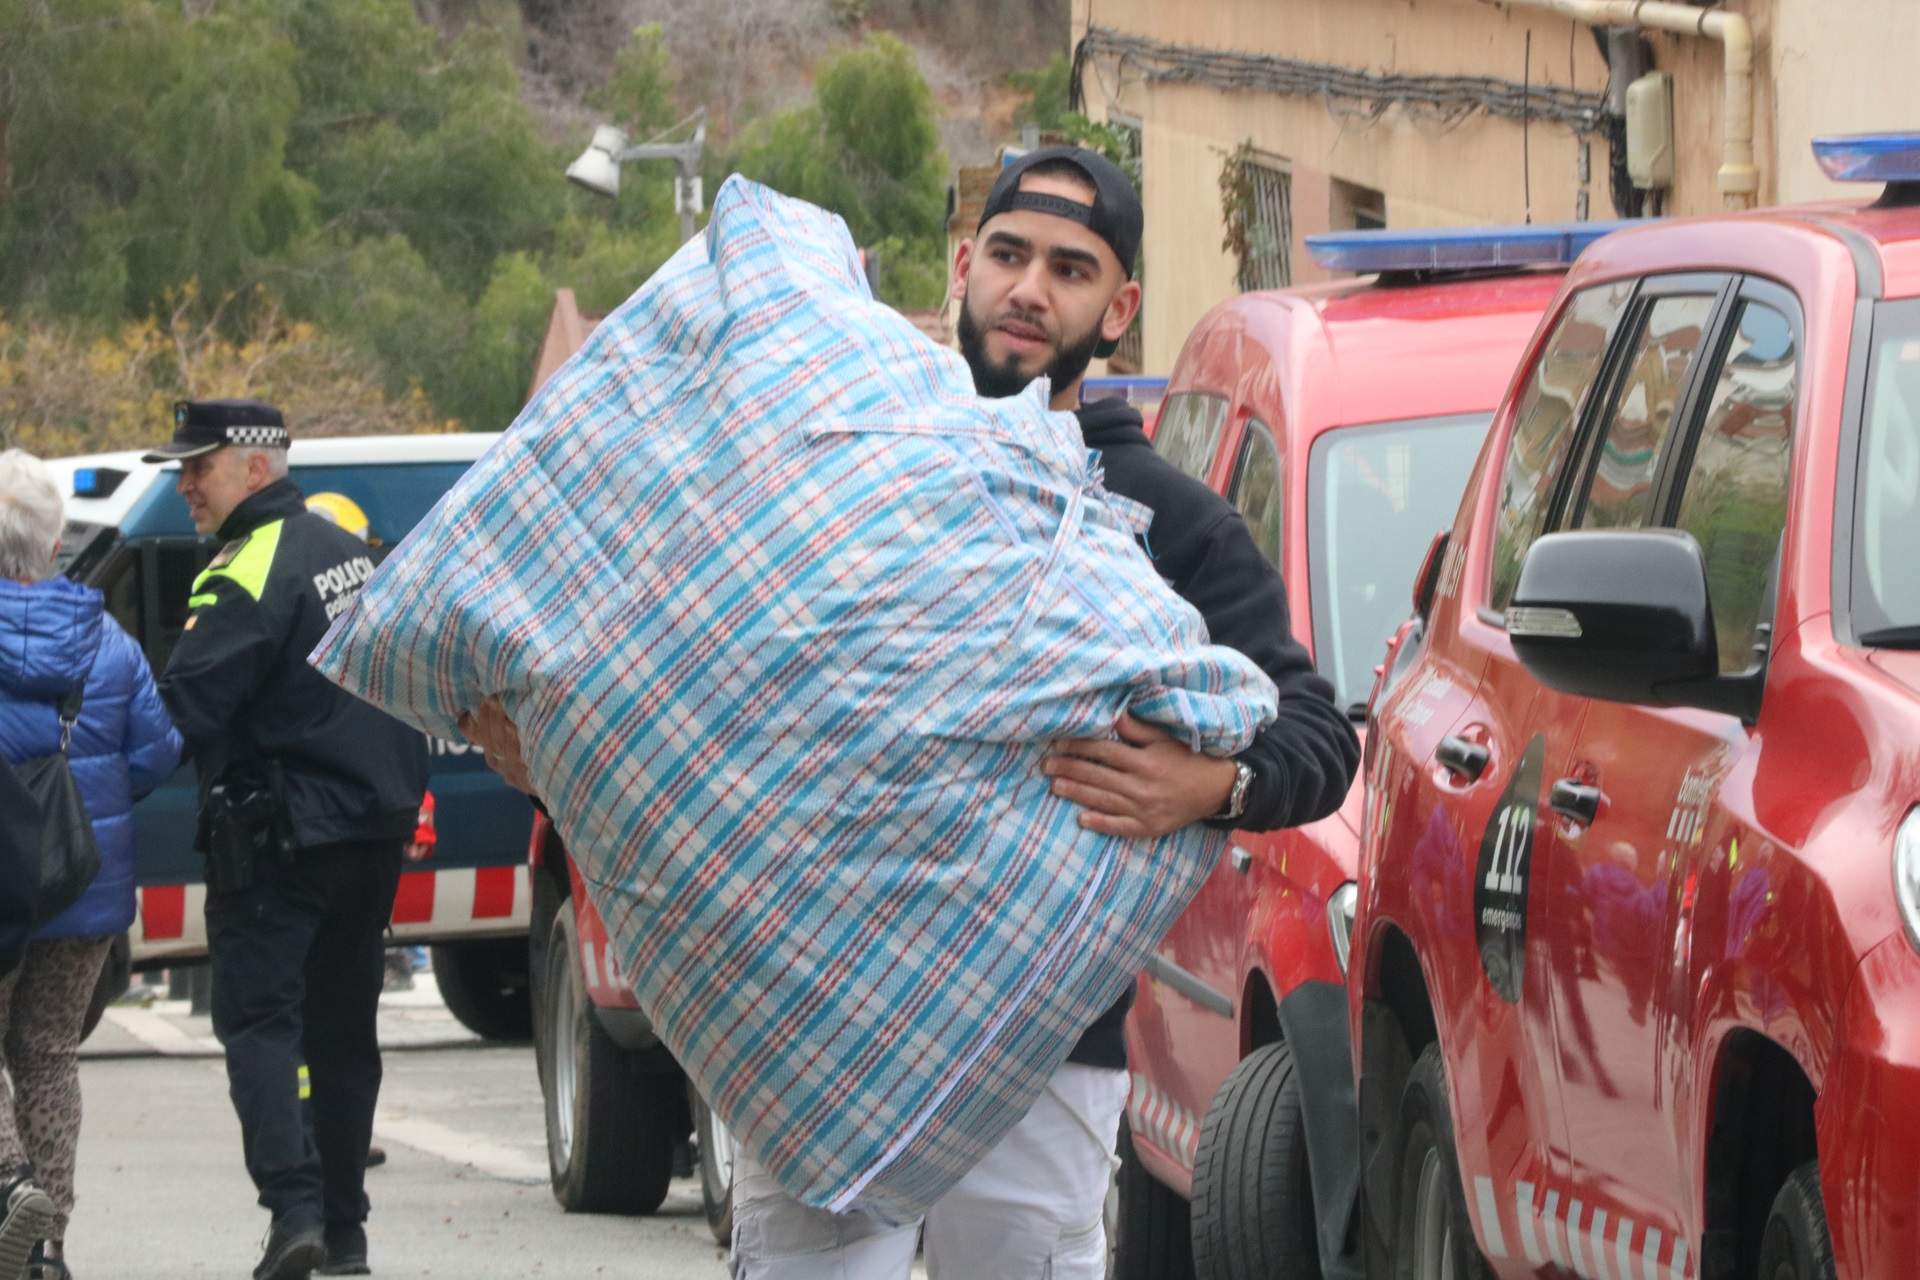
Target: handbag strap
<point>68,709</point>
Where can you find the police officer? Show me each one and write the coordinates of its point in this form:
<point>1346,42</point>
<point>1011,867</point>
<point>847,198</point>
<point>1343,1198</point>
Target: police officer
<point>307,798</point>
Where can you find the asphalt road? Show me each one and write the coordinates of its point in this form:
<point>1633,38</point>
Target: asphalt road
<point>162,1192</point>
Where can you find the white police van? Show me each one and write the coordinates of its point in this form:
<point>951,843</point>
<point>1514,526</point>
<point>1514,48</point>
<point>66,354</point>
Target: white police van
<point>128,533</point>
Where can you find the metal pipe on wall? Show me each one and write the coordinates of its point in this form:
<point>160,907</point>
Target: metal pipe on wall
<point>1737,177</point>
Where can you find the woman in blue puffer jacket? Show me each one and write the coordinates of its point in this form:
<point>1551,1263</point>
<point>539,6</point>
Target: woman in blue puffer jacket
<point>55,635</point>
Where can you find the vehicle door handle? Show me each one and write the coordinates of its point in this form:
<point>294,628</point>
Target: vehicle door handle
<point>1242,860</point>
<point>1462,758</point>
<point>1575,800</point>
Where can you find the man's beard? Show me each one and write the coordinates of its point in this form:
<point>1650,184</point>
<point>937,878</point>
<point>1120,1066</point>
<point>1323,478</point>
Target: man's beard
<point>1006,378</point>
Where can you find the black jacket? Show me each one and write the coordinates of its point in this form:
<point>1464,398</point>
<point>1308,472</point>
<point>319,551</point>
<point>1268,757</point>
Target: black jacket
<point>1304,762</point>
<point>240,690</point>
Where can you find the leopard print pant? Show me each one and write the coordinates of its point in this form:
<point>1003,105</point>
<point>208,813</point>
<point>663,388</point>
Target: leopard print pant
<point>42,1005</point>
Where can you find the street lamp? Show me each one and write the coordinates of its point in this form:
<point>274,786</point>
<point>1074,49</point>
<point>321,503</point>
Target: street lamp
<point>598,168</point>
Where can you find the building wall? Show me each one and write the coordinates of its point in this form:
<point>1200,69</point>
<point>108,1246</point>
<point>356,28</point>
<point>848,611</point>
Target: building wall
<point>1839,68</point>
<point>1480,169</point>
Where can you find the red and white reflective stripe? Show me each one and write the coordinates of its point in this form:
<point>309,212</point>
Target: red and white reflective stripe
<point>172,921</point>
<point>1578,1237</point>
<point>460,899</point>
<point>428,905</point>
<point>1154,1116</point>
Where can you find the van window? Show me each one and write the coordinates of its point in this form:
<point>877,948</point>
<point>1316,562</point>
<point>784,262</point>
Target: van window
<point>1620,491</point>
<point>395,496</point>
<point>1735,502</point>
<point>1375,497</point>
<point>149,575</point>
<point>1257,489</point>
<point>1543,426</point>
<point>1886,570</point>
<point>1191,424</point>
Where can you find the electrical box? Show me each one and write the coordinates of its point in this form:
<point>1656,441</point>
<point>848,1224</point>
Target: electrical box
<point>1650,131</point>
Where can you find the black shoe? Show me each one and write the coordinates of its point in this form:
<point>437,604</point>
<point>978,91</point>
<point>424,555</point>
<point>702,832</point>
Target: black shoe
<point>376,1156</point>
<point>41,1267</point>
<point>346,1253</point>
<point>295,1246</point>
<point>29,1215</point>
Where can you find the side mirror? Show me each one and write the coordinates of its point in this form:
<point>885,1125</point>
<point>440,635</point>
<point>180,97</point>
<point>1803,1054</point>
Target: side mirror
<point>1623,616</point>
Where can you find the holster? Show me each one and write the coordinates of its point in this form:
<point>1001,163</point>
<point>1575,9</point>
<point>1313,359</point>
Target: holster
<point>249,829</point>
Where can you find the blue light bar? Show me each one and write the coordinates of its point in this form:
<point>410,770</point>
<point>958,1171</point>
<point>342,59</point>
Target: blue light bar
<point>1134,389</point>
<point>1458,248</point>
<point>1870,157</point>
<point>96,482</point>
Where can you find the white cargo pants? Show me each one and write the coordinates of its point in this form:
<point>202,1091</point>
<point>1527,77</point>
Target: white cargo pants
<point>1033,1209</point>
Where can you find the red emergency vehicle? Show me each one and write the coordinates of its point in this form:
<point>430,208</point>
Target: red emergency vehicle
<point>1341,420</point>
<point>1636,966</point>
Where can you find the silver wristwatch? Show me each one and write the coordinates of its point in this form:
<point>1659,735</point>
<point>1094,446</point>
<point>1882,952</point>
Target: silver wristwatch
<point>1237,798</point>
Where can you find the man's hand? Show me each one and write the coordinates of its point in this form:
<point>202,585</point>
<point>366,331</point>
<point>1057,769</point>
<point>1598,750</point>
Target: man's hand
<point>491,731</point>
<point>1147,784</point>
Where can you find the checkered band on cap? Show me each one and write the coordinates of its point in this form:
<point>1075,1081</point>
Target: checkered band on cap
<point>264,437</point>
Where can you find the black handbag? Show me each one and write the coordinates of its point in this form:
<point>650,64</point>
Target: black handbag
<point>69,855</point>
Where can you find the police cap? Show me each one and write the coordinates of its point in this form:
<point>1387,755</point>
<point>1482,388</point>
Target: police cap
<point>201,426</point>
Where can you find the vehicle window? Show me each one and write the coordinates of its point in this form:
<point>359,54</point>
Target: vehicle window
<point>1543,425</point>
<point>1735,502</point>
<point>1376,495</point>
<point>1620,492</point>
<point>1886,568</point>
<point>1188,436</point>
<point>173,566</point>
<point>1257,489</point>
<point>120,582</point>
<point>394,495</point>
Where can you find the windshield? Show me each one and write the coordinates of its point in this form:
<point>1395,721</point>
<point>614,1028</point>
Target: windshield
<point>1886,570</point>
<point>1376,496</point>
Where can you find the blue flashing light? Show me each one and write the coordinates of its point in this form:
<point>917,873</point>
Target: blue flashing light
<point>1870,157</point>
<point>96,482</point>
<point>1134,389</point>
<point>1458,248</point>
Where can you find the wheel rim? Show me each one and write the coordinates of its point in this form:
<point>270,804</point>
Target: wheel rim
<point>1432,1223</point>
<point>562,1011</point>
<point>719,1140</point>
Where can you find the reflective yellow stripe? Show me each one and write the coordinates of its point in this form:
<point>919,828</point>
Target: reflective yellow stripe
<point>306,1084</point>
<point>250,564</point>
<point>194,602</point>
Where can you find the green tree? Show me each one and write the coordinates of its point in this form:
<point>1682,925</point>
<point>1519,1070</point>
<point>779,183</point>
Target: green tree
<point>639,94</point>
<point>496,359</point>
<point>868,148</point>
<point>1046,89</point>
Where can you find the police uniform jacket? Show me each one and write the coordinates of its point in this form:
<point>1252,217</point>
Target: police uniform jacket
<point>241,692</point>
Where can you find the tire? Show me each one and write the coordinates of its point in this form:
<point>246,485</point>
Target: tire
<point>547,900</point>
<point>1253,1214</point>
<point>1152,1240</point>
<point>1433,1235</point>
<point>1796,1244</point>
<point>614,1116</point>
<point>115,977</point>
<point>716,1170</point>
<point>485,986</point>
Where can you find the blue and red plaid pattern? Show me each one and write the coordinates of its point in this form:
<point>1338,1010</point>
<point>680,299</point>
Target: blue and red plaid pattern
<point>786,616</point>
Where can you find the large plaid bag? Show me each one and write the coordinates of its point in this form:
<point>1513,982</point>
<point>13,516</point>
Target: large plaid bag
<point>785,615</point>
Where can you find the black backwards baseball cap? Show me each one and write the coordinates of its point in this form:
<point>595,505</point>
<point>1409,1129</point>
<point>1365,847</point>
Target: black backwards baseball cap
<point>201,426</point>
<point>1114,215</point>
